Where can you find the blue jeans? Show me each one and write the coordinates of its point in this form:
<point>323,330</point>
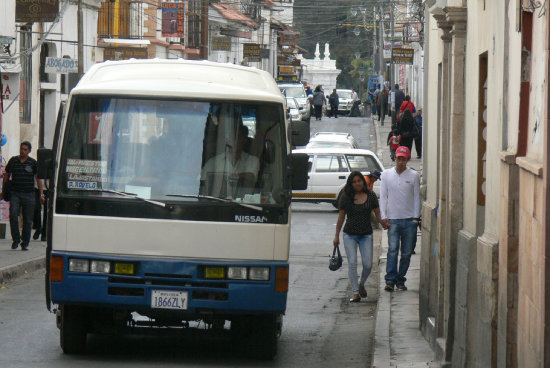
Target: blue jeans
<point>18,200</point>
<point>364,242</point>
<point>401,234</point>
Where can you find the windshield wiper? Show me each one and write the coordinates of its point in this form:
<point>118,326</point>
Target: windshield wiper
<point>200,196</point>
<point>130,195</point>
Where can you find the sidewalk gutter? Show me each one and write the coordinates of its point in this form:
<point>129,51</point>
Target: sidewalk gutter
<point>14,271</point>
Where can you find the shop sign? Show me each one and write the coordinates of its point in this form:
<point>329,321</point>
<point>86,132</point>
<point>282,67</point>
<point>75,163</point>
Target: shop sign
<point>124,53</point>
<point>173,15</point>
<point>36,10</point>
<point>402,56</point>
<point>61,65</point>
<point>252,52</point>
<point>221,43</point>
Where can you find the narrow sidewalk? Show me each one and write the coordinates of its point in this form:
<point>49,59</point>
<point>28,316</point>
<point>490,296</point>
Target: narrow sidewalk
<point>398,339</point>
<point>15,262</point>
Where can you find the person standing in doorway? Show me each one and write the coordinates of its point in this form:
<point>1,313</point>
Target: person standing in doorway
<point>418,137</point>
<point>400,211</point>
<point>318,102</point>
<point>334,101</point>
<point>356,204</point>
<point>23,172</point>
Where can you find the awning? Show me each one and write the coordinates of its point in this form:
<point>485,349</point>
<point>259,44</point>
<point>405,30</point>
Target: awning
<point>10,68</point>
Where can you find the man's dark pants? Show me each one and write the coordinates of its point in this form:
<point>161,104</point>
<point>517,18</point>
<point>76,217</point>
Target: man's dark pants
<point>334,110</point>
<point>20,200</point>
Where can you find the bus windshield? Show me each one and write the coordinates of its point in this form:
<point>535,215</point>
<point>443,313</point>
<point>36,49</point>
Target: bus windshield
<point>174,150</point>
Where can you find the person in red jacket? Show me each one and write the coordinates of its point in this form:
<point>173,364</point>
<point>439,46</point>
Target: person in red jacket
<point>407,104</point>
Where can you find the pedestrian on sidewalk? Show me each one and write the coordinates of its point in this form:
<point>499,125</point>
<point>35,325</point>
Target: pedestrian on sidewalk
<point>393,142</point>
<point>418,137</point>
<point>382,104</point>
<point>23,172</point>
<point>400,211</point>
<point>334,101</point>
<point>355,205</point>
<point>397,101</point>
<point>407,129</point>
<point>318,102</point>
<point>407,105</point>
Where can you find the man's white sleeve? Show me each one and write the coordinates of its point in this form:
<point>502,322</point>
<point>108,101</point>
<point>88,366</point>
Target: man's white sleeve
<point>383,197</point>
<point>417,195</point>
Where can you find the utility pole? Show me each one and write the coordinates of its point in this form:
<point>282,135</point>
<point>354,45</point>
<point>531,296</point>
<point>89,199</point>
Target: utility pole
<point>392,25</point>
<point>204,30</point>
<point>381,42</point>
<point>80,40</point>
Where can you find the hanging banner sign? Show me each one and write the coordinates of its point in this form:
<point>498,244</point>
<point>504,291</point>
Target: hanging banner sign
<point>36,10</point>
<point>173,15</point>
<point>61,65</point>
<point>252,51</point>
<point>402,56</point>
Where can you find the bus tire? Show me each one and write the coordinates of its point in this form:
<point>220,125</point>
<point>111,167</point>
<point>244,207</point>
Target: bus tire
<point>72,333</point>
<point>264,338</point>
<point>257,336</point>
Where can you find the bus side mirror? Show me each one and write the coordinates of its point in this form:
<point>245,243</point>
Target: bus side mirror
<point>299,164</point>
<point>45,163</point>
<point>299,131</point>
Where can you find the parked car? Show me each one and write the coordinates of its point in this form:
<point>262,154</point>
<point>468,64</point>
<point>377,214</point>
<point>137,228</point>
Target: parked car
<point>293,109</point>
<point>329,169</point>
<point>346,102</point>
<point>298,91</point>
<point>332,140</point>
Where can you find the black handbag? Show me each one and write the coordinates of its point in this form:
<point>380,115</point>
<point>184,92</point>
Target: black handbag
<point>7,191</point>
<point>336,260</point>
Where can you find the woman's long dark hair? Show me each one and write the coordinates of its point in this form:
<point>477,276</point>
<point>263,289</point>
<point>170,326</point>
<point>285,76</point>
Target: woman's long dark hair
<point>348,189</point>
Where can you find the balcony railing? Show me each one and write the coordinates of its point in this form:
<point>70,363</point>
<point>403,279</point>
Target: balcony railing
<point>123,19</point>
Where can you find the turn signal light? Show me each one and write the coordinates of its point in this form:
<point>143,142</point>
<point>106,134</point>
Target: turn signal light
<point>56,269</point>
<point>281,279</point>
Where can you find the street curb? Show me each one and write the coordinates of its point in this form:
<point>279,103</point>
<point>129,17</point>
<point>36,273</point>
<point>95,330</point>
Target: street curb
<point>378,142</point>
<point>382,353</point>
<point>12,272</point>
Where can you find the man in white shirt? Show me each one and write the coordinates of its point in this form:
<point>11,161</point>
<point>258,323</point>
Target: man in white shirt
<point>400,210</point>
<point>356,102</point>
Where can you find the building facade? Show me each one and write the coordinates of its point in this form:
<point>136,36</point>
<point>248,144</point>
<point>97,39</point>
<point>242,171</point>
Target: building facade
<point>485,183</point>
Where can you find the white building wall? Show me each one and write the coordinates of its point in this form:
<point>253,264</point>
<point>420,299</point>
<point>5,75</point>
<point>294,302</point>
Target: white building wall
<point>430,128</point>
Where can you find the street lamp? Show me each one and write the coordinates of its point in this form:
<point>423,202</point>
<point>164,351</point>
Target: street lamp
<point>356,31</point>
<point>357,54</point>
<point>353,12</point>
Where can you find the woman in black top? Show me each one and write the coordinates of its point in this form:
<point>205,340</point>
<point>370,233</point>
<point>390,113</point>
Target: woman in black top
<point>356,203</point>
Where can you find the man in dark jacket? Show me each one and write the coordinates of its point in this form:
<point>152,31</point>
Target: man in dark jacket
<point>398,99</point>
<point>23,172</point>
<point>334,101</point>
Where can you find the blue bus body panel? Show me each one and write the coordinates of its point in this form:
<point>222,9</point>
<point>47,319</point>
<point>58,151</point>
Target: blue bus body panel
<point>134,292</point>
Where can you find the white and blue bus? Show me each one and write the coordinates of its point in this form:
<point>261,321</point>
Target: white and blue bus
<point>170,192</point>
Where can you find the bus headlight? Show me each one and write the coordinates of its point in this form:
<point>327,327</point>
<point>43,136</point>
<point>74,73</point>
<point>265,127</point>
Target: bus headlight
<point>259,273</point>
<point>236,273</point>
<point>100,267</point>
<point>79,265</point>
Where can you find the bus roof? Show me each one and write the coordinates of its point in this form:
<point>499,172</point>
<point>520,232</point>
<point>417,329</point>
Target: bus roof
<point>179,78</point>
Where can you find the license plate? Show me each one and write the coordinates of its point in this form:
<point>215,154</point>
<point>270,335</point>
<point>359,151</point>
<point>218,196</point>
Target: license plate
<point>164,299</point>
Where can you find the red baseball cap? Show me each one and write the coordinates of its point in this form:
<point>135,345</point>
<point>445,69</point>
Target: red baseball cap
<point>403,151</point>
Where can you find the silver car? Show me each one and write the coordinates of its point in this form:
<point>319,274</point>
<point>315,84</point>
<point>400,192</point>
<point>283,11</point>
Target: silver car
<point>298,91</point>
